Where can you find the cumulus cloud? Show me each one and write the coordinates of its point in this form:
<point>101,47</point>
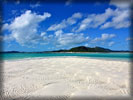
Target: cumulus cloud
<point>120,19</point>
<point>24,31</point>
<point>65,39</point>
<point>95,20</point>
<point>65,23</point>
<point>24,28</point>
<point>103,37</point>
<point>115,18</point>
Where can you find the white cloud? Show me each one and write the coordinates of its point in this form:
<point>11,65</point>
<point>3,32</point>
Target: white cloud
<point>43,33</point>
<point>5,26</point>
<point>95,20</point>
<point>84,24</point>
<point>58,33</point>
<point>122,4</point>
<point>111,43</point>
<point>24,31</point>
<point>115,18</point>
<point>87,44</point>
<point>65,23</point>
<point>24,28</point>
<point>28,19</point>
<point>65,39</point>
<point>103,37</point>
<point>119,20</point>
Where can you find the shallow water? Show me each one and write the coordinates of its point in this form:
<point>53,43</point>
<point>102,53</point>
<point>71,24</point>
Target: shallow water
<point>113,56</point>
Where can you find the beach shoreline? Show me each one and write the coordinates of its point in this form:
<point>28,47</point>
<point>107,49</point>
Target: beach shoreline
<point>66,76</point>
<point>95,58</point>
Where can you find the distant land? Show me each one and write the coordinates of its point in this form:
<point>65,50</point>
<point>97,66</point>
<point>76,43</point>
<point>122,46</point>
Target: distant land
<point>75,49</point>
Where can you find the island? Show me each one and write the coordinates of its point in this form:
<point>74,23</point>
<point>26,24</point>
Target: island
<point>75,49</point>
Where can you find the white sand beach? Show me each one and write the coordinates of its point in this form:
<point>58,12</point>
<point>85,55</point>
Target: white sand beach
<point>66,76</point>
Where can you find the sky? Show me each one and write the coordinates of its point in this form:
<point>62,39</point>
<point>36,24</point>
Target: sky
<point>41,26</point>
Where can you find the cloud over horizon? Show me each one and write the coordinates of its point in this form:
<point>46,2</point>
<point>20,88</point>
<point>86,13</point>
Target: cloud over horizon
<point>37,28</point>
<point>104,39</point>
<point>65,39</point>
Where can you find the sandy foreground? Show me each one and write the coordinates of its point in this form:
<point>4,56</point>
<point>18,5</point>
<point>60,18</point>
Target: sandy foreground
<point>65,76</point>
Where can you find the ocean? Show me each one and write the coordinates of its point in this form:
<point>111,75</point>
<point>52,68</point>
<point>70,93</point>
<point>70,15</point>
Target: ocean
<point>112,56</point>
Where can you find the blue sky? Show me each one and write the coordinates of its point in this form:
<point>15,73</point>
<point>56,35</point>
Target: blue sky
<point>52,26</point>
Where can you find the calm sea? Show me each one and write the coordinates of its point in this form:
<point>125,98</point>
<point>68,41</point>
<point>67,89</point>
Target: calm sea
<point>113,56</point>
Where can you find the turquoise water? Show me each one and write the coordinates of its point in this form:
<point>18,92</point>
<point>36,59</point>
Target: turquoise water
<point>117,56</point>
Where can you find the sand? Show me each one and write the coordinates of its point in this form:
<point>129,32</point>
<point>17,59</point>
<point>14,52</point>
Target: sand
<point>65,76</point>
